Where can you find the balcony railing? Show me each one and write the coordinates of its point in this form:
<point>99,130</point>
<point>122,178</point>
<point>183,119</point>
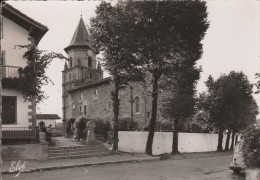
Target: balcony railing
<point>10,71</point>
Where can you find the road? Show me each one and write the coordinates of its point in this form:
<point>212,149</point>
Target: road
<point>213,168</point>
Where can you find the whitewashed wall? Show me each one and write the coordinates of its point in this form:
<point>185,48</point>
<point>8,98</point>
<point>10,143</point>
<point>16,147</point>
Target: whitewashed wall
<point>22,115</point>
<point>130,141</point>
<point>14,34</point>
<point>198,142</point>
<point>133,141</point>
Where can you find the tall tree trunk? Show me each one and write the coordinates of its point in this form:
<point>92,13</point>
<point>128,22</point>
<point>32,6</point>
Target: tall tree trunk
<point>220,139</point>
<point>149,143</point>
<point>233,140</point>
<point>116,102</point>
<point>175,136</point>
<point>227,140</point>
<point>236,138</point>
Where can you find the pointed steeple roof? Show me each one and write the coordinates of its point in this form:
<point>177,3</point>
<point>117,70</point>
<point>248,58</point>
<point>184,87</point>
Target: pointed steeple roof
<point>80,37</point>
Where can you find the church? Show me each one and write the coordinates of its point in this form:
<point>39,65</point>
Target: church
<point>86,92</point>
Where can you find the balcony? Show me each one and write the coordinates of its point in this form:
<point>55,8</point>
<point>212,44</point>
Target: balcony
<point>10,71</point>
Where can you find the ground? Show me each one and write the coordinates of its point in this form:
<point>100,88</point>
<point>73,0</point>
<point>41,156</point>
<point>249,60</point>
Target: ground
<point>213,168</point>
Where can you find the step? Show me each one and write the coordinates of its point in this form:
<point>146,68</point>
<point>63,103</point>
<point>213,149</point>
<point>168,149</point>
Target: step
<point>79,156</point>
<point>75,152</point>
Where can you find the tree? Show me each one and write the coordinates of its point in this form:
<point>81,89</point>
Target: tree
<point>179,83</point>
<point>111,35</point>
<point>230,103</point>
<point>257,84</point>
<point>164,33</point>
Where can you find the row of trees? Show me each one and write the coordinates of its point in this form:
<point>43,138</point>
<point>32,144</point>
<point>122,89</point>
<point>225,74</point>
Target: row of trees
<point>158,40</point>
<point>229,105</point>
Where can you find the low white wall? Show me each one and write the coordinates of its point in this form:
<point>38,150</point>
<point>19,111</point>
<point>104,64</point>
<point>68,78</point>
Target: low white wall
<point>133,141</point>
<point>199,142</point>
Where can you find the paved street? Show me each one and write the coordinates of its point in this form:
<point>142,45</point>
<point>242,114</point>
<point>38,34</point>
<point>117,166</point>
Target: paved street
<point>200,168</point>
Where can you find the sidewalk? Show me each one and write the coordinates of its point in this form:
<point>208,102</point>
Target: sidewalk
<point>36,165</point>
<point>41,165</point>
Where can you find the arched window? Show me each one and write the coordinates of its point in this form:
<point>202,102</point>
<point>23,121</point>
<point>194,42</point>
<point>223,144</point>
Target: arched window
<point>137,104</point>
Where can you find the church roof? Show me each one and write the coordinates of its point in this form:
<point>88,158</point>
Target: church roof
<point>91,84</point>
<point>80,38</point>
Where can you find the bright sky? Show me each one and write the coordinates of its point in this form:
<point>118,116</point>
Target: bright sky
<point>232,41</point>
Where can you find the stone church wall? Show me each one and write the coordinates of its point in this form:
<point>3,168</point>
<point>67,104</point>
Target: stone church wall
<point>95,103</point>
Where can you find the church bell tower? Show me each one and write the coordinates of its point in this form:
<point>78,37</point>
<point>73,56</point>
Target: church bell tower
<point>81,66</point>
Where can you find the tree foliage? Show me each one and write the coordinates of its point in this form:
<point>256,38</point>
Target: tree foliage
<point>230,103</point>
<point>146,37</point>
<point>251,146</point>
<point>164,34</point>
<point>110,32</point>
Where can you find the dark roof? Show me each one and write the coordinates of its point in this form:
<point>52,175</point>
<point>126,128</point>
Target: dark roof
<point>36,29</point>
<point>80,38</point>
<point>47,116</point>
<point>91,84</point>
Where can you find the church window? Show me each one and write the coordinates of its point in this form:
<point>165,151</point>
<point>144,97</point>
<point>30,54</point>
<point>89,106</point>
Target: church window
<point>79,108</point>
<point>70,61</point>
<point>96,92</point>
<point>89,62</point>
<point>85,110</point>
<point>137,104</point>
<point>148,114</point>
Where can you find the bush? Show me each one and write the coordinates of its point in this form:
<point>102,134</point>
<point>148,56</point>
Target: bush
<point>80,126</point>
<point>251,146</point>
<point>127,124</point>
<point>102,127</point>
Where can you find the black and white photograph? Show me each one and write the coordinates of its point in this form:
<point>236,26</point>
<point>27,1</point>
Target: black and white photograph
<point>130,90</point>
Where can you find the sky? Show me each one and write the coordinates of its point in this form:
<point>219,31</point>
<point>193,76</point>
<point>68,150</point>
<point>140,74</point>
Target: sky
<point>232,41</point>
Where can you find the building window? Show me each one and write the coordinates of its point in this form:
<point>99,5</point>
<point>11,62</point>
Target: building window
<point>2,28</point>
<point>79,108</point>
<point>137,104</point>
<point>96,92</point>
<point>2,57</point>
<point>9,106</point>
<point>85,110</point>
<point>80,96</point>
<point>90,75</point>
<point>89,62</point>
<point>148,115</point>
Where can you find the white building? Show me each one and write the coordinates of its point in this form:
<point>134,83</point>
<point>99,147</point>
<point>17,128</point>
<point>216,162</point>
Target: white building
<point>17,29</point>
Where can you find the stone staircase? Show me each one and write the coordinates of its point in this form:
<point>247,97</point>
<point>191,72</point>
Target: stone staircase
<point>69,148</point>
